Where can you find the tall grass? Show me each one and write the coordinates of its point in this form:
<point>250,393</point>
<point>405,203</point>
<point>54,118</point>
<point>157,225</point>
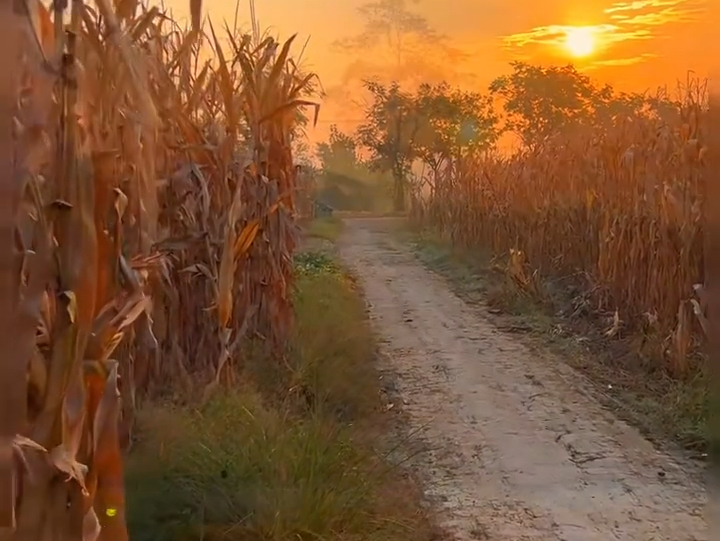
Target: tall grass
<point>619,206</point>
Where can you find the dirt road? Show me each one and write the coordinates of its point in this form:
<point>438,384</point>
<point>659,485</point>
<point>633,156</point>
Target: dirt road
<point>518,449</point>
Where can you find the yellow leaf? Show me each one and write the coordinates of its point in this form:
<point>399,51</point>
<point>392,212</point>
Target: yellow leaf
<point>246,238</point>
<point>225,283</point>
<point>121,202</point>
<point>71,305</point>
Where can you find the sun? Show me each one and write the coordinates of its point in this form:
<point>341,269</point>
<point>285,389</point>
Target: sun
<point>580,41</point>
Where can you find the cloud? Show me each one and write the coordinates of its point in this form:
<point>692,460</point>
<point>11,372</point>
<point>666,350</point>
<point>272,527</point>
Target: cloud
<point>555,35</point>
<point>638,21</point>
<point>642,4</point>
<point>664,16</point>
<point>613,62</point>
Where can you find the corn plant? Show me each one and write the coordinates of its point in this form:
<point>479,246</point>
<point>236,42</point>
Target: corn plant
<point>619,204</point>
<point>149,190</point>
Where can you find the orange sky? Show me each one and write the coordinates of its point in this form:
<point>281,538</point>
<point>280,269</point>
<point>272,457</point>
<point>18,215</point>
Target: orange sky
<point>641,43</point>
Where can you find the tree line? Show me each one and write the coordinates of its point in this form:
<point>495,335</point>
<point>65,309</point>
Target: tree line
<point>435,125</point>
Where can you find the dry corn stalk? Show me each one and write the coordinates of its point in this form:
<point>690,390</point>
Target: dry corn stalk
<point>12,361</point>
<point>517,269</point>
<point>621,204</point>
<point>112,98</point>
<point>700,308</point>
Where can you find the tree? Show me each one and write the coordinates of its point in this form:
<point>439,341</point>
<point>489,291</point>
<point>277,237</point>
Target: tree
<point>389,133</point>
<point>437,124</point>
<point>345,180</point>
<point>541,102</point>
<point>339,154</point>
<point>610,106</point>
<point>452,124</point>
<point>394,32</point>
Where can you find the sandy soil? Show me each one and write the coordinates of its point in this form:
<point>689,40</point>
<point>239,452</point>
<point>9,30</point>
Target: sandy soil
<point>517,447</point>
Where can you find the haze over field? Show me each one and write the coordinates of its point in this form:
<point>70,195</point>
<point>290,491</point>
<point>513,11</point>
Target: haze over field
<point>634,45</point>
<point>224,321</point>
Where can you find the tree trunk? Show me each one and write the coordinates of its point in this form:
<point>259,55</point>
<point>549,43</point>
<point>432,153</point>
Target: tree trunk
<point>398,192</point>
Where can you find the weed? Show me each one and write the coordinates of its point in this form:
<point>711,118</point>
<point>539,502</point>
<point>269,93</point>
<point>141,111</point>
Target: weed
<point>314,263</point>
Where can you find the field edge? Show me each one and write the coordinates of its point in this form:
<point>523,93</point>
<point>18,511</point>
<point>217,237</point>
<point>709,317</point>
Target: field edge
<point>670,413</point>
<point>307,449</point>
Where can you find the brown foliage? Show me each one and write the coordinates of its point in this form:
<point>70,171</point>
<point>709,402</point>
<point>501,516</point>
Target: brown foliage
<point>621,205</point>
<point>149,216</point>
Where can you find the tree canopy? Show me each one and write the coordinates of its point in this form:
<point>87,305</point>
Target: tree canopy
<point>539,102</point>
<point>436,123</point>
<point>433,124</point>
<point>398,44</point>
<point>452,122</point>
<point>345,180</point>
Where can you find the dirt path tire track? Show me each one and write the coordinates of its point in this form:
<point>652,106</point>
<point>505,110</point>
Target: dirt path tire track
<point>517,449</point>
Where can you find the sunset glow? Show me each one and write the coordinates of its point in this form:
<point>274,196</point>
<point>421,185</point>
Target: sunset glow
<point>633,44</point>
<point>580,42</point>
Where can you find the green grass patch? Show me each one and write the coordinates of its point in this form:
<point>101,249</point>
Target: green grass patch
<point>237,469</point>
<point>664,409</point>
<point>309,265</point>
<point>293,454</point>
<point>327,228</point>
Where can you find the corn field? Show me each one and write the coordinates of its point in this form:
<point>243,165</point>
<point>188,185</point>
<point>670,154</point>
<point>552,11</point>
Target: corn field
<point>149,228</point>
<point>619,205</point>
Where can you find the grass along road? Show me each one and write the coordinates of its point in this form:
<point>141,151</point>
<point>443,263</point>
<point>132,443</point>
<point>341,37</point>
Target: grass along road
<point>298,450</point>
